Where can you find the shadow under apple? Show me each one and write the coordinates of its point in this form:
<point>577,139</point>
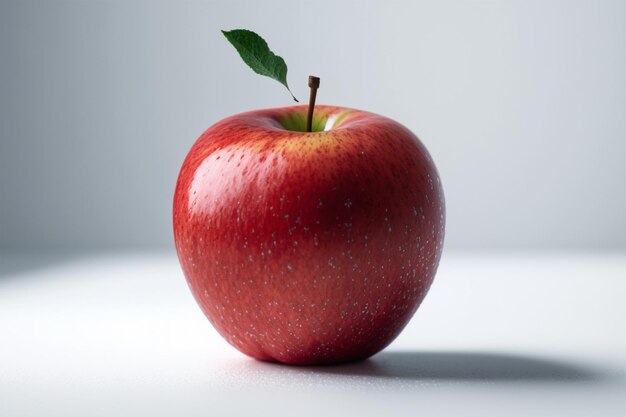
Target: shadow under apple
<point>465,366</point>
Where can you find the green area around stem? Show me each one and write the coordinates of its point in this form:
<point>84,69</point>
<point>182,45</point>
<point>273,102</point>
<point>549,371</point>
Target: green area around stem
<point>296,121</point>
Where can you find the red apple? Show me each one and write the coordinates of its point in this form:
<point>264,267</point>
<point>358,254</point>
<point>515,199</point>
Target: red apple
<point>309,248</point>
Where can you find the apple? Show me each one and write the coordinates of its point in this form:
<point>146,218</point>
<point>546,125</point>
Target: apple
<point>308,247</point>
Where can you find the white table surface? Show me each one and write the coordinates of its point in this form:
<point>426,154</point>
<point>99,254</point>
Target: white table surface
<point>535,334</point>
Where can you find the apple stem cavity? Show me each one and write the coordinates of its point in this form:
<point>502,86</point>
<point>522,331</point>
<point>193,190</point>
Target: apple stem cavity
<point>314,84</point>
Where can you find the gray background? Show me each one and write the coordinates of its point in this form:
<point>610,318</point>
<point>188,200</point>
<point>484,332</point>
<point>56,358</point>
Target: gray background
<point>522,105</point>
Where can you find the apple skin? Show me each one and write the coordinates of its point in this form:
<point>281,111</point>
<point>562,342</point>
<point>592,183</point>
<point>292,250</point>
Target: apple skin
<point>308,248</point>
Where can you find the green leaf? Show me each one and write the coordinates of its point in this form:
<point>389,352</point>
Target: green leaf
<point>254,51</point>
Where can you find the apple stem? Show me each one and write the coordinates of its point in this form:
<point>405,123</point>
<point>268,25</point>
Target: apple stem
<point>314,84</point>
